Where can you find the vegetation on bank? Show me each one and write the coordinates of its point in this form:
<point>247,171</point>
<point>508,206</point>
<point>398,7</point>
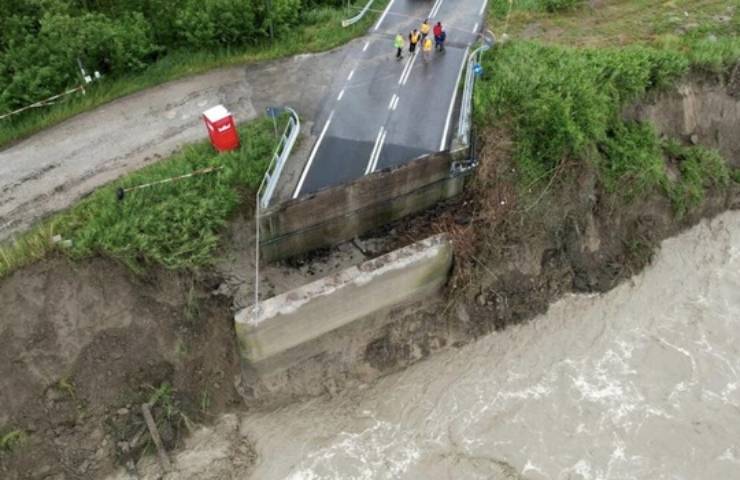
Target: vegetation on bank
<point>563,105</point>
<point>11,439</point>
<point>175,224</point>
<point>135,47</point>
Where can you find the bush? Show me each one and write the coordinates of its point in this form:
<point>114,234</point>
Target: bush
<point>44,64</point>
<point>565,103</point>
<point>40,40</point>
<point>700,168</point>
<point>632,161</point>
<point>217,23</point>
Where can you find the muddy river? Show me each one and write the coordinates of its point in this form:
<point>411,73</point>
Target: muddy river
<point>643,382</point>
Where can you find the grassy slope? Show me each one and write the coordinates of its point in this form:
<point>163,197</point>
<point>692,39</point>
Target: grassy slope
<point>561,96</point>
<point>175,224</point>
<point>321,31</point>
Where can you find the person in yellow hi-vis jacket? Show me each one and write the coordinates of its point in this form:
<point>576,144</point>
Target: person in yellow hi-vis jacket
<point>398,43</point>
<point>426,48</point>
<point>414,38</point>
<point>425,28</point>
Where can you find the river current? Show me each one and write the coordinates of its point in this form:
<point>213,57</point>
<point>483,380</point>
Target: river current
<point>642,382</point>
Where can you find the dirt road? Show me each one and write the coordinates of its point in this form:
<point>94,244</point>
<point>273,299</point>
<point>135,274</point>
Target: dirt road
<point>51,170</point>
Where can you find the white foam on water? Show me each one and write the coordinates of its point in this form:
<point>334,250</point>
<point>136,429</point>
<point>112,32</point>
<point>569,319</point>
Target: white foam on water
<point>641,382</point>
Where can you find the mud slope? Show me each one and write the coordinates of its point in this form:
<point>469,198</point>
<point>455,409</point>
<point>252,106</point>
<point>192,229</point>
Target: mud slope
<point>704,111</point>
<point>85,344</point>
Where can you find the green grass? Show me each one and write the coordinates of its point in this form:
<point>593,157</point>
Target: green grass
<point>562,92</point>
<point>320,31</point>
<point>500,8</point>
<point>11,440</point>
<point>632,160</point>
<point>700,168</point>
<point>565,104</point>
<point>175,224</point>
<point>616,22</point>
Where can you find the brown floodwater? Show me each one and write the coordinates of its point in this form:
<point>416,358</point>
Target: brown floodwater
<point>640,383</point>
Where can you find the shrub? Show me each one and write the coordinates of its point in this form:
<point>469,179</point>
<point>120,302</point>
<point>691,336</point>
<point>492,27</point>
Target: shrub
<point>700,168</point>
<point>559,5</point>
<point>41,40</point>
<point>43,64</point>
<point>564,103</point>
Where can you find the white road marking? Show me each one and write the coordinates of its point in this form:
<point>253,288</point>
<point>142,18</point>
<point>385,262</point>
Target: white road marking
<point>395,103</point>
<point>351,74</point>
<point>382,17</point>
<point>377,154</point>
<point>443,143</point>
<point>410,63</point>
<point>367,44</point>
<point>483,7</point>
<point>405,78</point>
<point>393,99</point>
<point>435,8</point>
<point>313,154</point>
<point>341,94</point>
<point>376,150</point>
<point>406,67</point>
<point>475,28</point>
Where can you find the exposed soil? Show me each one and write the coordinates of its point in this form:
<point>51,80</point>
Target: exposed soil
<point>85,344</point>
<point>703,110</point>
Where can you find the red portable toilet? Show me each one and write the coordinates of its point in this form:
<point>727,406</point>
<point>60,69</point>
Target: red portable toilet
<point>221,128</point>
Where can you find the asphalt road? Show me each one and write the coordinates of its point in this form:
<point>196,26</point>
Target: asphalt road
<point>51,170</point>
<point>382,112</point>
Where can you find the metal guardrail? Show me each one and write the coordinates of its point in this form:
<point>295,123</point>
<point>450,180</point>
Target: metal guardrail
<point>267,188</point>
<point>358,17</point>
<point>466,105</point>
<point>279,157</point>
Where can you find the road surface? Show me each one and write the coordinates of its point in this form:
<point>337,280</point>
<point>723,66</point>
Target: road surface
<point>382,112</point>
<point>51,170</point>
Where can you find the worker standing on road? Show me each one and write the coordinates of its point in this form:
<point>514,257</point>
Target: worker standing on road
<point>442,39</point>
<point>427,49</point>
<point>425,27</point>
<point>398,43</point>
<point>413,40</point>
<point>438,36</point>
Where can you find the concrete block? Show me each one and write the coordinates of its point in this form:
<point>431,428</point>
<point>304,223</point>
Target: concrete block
<point>337,214</point>
<point>288,328</point>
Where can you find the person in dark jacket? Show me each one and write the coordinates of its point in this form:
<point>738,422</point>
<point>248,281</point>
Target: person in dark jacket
<point>414,38</point>
<point>439,36</point>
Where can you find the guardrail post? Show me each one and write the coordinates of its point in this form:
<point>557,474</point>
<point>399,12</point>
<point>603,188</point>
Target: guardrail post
<point>464,123</point>
<point>267,188</point>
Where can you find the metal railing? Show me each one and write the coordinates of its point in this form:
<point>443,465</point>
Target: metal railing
<point>358,17</point>
<point>466,104</point>
<point>267,188</point>
<point>279,157</point>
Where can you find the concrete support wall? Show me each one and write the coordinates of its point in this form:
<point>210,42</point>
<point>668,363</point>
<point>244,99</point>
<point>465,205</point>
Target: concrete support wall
<point>292,327</point>
<point>340,213</point>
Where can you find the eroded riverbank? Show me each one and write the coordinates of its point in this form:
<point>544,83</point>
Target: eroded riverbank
<point>640,382</point>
